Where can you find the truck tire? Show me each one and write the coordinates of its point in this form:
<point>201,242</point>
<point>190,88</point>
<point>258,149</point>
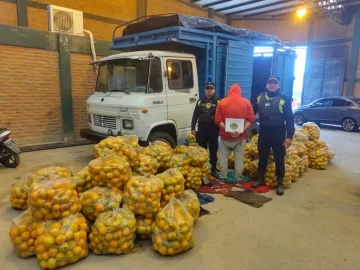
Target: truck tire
<point>161,136</point>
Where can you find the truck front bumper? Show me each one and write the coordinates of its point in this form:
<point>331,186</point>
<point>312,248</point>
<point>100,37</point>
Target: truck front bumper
<point>88,134</point>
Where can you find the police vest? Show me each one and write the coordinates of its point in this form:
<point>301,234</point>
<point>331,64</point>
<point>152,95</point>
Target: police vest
<point>271,110</point>
<point>207,109</point>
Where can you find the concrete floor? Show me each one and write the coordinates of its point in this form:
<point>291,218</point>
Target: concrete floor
<point>316,225</point>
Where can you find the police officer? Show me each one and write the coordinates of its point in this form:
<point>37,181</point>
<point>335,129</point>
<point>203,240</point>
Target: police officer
<point>276,131</point>
<point>208,132</point>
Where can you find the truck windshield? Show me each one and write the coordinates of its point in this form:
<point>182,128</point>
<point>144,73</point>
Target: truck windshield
<point>123,75</point>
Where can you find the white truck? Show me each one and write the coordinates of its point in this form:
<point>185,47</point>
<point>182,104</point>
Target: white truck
<point>151,94</point>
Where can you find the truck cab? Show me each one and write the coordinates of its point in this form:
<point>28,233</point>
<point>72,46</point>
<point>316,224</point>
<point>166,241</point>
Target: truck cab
<point>150,94</point>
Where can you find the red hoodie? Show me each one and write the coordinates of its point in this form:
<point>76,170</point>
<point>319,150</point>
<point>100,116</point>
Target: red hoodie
<point>234,106</point>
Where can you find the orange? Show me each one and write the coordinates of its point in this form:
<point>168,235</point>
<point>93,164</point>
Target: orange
<point>55,232</point>
<point>124,247</point>
<point>52,263</point>
<point>45,256</point>
<point>108,237</point>
<point>14,232</point>
<point>77,250</point>
<point>171,251</point>
<point>62,263</point>
<point>60,239</point>
<point>60,256</point>
<point>126,232</point>
<point>53,252</point>
<point>43,264</point>
<point>102,230</point>
<point>69,254</point>
<point>163,251</point>
<point>23,246</point>
<point>184,244</point>
<point>113,243</point>
<point>49,241</point>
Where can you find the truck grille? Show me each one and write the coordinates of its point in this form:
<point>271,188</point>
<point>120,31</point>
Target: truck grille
<point>105,121</point>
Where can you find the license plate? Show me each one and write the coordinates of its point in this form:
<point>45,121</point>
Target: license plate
<point>12,145</point>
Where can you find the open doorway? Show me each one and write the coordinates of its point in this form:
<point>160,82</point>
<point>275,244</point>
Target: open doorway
<point>299,75</point>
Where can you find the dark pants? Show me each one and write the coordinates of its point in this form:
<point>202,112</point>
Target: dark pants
<point>272,139</point>
<point>209,138</point>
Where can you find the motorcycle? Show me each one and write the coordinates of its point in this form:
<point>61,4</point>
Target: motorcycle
<point>9,152</point>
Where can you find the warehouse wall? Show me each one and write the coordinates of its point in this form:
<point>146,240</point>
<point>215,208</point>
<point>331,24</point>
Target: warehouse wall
<point>8,13</point>
<point>30,94</point>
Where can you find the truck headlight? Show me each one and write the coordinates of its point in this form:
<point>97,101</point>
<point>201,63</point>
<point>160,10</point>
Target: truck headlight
<point>128,124</point>
<point>89,118</point>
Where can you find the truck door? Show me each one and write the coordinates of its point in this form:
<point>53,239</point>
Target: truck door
<point>239,66</point>
<point>284,68</point>
<point>182,92</point>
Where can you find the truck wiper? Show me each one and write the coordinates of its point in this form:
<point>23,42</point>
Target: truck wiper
<point>121,90</point>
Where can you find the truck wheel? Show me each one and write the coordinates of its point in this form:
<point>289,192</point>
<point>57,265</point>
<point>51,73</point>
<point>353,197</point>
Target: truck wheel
<point>160,136</point>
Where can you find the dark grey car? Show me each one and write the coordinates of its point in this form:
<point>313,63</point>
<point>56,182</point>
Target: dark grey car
<point>344,111</point>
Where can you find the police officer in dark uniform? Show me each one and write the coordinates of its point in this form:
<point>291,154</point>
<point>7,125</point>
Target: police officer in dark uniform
<point>208,132</point>
<point>276,131</point>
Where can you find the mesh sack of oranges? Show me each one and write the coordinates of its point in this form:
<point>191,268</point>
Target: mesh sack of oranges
<point>114,232</point>
<point>300,148</point>
<point>247,151</point>
<point>18,195</point>
<point>161,153</point>
<point>206,170</point>
<point>181,149</point>
<point>300,136</point>
<point>291,161</point>
<point>198,156</point>
<point>98,200</point>
<point>143,195</point>
<point>164,144</point>
<point>125,147</point>
<point>172,230</point>
<point>192,140</point>
<point>312,130</point>
<point>193,180</point>
<point>143,227</point>
<point>173,185</point>
<point>190,200</point>
<point>49,172</point>
<point>61,242</point>
<point>181,162</point>
<point>82,180</point>
<point>53,199</point>
<point>147,165</point>
<point>23,234</point>
<point>110,171</point>
<point>271,178</point>
<point>253,150</point>
<point>318,159</point>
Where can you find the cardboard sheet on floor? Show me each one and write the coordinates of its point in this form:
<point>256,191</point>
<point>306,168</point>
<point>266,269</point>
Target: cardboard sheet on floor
<point>249,198</point>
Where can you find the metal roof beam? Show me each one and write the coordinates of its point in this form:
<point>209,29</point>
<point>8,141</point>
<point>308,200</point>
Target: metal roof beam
<point>273,10</point>
<point>238,5</point>
<point>215,3</point>
<point>260,7</point>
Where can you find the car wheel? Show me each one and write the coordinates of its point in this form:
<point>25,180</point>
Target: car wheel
<point>160,136</point>
<point>348,124</point>
<point>299,119</point>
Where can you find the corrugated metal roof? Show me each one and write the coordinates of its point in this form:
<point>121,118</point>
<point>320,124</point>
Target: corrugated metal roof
<point>339,10</point>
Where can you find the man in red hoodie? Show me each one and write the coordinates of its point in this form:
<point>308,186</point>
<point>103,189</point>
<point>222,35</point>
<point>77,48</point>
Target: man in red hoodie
<point>237,107</point>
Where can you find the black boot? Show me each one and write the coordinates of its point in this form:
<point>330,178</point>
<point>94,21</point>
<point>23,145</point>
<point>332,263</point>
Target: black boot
<point>280,187</point>
<point>259,182</point>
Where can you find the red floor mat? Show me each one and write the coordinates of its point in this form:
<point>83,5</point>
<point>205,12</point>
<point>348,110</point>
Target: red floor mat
<point>220,188</point>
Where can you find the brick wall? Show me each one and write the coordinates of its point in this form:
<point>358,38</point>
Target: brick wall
<point>83,80</point>
<point>30,95</point>
<point>8,13</point>
<point>124,10</point>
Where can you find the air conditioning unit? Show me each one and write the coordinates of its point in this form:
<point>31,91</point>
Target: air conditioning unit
<point>65,20</point>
